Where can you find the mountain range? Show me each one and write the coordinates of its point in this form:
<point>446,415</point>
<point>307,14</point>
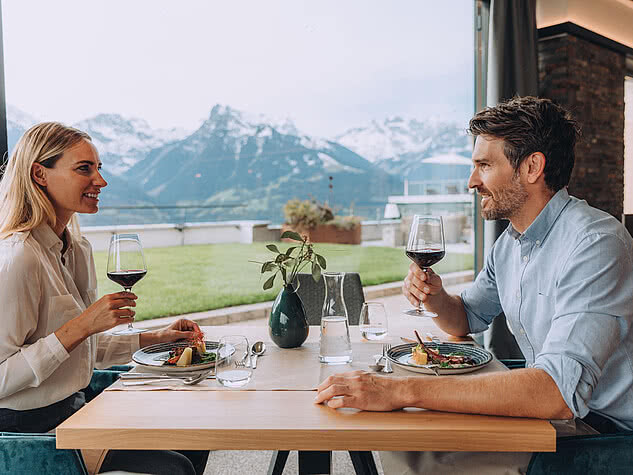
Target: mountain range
<point>239,166</point>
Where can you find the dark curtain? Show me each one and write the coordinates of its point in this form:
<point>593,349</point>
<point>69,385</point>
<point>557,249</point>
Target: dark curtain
<point>512,71</point>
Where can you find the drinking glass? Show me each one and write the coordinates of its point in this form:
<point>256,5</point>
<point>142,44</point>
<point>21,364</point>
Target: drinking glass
<point>233,361</point>
<point>126,266</point>
<point>373,321</point>
<point>336,346</point>
<point>426,248</point>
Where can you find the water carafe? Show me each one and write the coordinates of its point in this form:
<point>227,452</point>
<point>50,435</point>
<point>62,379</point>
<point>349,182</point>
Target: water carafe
<point>336,347</point>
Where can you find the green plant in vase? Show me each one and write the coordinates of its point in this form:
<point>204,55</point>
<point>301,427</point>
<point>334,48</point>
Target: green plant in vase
<point>288,326</point>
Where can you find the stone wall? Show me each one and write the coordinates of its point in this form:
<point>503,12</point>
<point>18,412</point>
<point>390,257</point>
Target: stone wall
<point>588,79</point>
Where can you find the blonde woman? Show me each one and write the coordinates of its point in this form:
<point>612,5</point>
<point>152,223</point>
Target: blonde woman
<point>52,322</point>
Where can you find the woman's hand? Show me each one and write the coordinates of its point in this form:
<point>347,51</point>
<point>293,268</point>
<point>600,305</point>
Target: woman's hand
<point>418,285</point>
<point>108,312</point>
<point>182,329</point>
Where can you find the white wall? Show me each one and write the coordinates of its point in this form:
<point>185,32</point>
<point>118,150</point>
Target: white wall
<point>166,235</point>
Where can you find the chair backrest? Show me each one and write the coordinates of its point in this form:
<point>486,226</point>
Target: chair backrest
<point>606,454</point>
<point>36,453</point>
<point>312,294</point>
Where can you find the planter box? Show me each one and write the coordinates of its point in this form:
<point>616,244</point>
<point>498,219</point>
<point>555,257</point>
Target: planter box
<point>328,233</point>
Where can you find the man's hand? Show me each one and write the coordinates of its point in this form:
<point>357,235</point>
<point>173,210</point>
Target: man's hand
<point>182,329</point>
<point>418,285</point>
<point>362,390</point>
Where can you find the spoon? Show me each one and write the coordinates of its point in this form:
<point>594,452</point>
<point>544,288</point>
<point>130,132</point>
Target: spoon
<point>257,349</point>
<point>189,381</point>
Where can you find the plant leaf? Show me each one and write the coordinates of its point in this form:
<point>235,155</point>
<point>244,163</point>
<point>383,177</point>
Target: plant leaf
<point>291,235</point>
<point>316,271</point>
<point>321,260</point>
<point>280,258</point>
<point>268,266</point>
<point>290,249</point>
<point>273,248</point>
<point>269,283</point>
<point>289,262</point>
<point>283,275</point>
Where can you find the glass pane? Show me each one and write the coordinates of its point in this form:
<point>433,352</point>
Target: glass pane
<point>628,145</point>
<point>222,112</point>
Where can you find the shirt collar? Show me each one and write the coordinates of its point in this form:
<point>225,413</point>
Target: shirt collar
<point>541,226</point>
<point>45,235</point>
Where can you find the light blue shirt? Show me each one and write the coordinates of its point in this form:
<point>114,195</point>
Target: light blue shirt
<point>566,288</point>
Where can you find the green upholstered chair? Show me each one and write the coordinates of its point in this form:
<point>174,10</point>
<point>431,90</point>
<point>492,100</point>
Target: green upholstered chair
<point>36,453</point>
<point>312,294</point>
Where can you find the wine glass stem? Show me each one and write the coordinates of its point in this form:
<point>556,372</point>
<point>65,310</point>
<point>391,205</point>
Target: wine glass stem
<point>129,325</point>
<point>421,306</point>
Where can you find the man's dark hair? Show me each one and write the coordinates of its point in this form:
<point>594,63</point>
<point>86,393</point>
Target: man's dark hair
<point>531,124</point>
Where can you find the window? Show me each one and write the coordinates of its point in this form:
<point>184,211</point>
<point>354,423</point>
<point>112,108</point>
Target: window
<point>223,111</point>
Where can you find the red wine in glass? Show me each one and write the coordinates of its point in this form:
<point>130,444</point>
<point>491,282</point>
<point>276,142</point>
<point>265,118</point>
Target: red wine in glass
<point>426,248</point>
<point>126,278</point>
<point>126,266</point>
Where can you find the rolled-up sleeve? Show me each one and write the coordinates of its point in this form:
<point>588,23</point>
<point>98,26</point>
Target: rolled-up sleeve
<point>23,365</point>
<point>481,300</point>
<point>593,314</point>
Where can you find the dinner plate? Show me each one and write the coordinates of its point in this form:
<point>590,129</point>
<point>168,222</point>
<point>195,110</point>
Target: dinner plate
<point>154,357</point>
<point>400,355</point>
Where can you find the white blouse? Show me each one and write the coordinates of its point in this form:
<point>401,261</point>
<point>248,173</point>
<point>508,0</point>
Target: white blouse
<point>38,294</point>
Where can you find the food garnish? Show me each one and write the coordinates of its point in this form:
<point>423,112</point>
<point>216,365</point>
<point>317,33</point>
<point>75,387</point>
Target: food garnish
<point>195,352</point>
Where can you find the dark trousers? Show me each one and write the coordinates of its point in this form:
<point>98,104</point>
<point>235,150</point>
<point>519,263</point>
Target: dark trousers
<point>159,462</point>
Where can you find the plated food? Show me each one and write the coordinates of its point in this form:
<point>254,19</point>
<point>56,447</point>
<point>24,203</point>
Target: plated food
<point>439,358</point>
<point>424,355</point>
<point>164,357</point>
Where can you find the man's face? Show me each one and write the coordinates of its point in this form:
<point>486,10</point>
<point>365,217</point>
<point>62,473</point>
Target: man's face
<point>503,194</point>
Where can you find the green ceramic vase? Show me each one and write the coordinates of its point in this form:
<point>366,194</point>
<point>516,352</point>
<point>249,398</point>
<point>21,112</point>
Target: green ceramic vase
<point>288,327</point>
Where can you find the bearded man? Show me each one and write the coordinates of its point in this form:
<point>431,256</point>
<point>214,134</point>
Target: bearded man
<point>562,273</point>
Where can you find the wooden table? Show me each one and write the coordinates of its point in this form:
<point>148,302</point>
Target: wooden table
<point>287,420</point>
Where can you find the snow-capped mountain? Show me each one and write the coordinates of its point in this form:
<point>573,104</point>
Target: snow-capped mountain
<point>122,142</point>
<point>18,122</point>
<point>20,119</point>
<point>395,137</point>
<point>230,159</point>
<point>259,163</point>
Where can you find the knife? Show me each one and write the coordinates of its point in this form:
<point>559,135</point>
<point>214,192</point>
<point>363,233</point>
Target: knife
<point>126,376</point>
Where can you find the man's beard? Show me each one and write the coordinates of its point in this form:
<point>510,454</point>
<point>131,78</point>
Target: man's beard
<point>507,202</point>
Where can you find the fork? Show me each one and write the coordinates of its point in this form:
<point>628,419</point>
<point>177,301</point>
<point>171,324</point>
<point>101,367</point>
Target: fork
<point>242,363</point>
<point>385,348</point>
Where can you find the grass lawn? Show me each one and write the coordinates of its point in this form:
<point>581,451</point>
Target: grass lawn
<point>189,279</point>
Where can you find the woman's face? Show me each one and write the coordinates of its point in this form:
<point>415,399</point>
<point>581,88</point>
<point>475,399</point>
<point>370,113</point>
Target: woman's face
<point>74,183</point>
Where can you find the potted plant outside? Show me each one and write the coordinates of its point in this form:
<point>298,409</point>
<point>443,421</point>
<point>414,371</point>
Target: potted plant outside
<point>317,221</point>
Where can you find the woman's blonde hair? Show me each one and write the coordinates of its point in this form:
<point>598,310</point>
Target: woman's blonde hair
<point>23,203</point>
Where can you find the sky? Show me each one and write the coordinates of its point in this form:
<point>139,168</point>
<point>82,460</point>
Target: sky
<point>328,65</point>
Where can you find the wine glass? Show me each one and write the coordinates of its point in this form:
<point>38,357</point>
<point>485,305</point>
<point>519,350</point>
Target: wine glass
<point>126,266</point>
<point>233,363</point>
<point>426,248</point>
<point>373,321</point>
